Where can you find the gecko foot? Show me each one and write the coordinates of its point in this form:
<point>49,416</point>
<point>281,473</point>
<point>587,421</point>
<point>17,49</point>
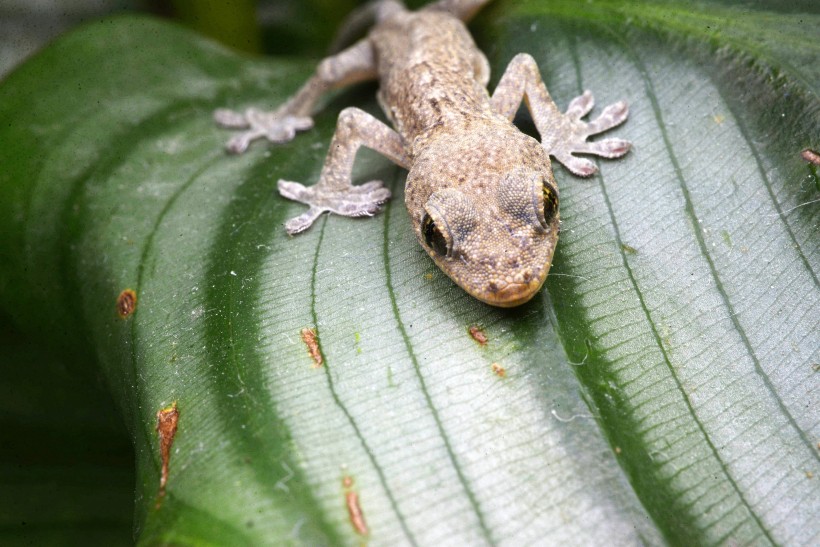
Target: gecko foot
<point>571,136</point>
<point>258,124</point>
<point>352,201</point>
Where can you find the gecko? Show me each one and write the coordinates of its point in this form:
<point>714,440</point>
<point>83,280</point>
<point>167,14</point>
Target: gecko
<point>481,195</point>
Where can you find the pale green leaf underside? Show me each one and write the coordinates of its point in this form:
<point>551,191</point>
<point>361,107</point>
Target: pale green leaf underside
<point>661,390</point>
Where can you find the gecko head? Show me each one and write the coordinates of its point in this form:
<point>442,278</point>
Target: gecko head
<point>494,237</point>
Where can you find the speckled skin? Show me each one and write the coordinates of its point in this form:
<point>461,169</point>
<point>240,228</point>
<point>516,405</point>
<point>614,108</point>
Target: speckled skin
<point>481,195</point>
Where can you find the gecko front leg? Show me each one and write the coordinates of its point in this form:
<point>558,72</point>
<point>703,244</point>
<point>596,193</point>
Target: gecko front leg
<point>334,192</point>
<point>352,65</point>
<point>562,134</point>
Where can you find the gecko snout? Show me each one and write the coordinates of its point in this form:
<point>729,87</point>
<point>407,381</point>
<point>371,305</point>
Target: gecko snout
<point>493,257</point>
<point>512,294</point>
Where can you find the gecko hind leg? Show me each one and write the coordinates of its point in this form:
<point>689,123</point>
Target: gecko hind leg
<point>562,134</point>
<point>334,192</point>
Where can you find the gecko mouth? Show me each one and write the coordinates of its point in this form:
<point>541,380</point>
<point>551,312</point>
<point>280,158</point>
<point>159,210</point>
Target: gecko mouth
<point>511,294</point>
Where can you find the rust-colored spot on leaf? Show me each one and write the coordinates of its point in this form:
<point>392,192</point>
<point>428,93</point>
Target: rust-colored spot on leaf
<point>312,342</point>
<point>499,371</point>
<point>354,510</point>
<point>811,156</point>
<point>478,335</point>
<point>167,419</point>
<point>126,303</point>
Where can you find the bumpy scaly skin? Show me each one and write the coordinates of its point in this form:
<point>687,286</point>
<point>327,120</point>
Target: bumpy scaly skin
<point>481,194</point>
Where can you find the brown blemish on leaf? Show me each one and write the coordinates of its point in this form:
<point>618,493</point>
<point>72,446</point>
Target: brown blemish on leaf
<point>167,419</point>
<point>312,342</point>
<point>810,156</point>
<point>617,450</point>
<point>126,303</point>
<point>354,510</point>
<point>499,371</point>
<point>478,335</point>
<point>809,475</point>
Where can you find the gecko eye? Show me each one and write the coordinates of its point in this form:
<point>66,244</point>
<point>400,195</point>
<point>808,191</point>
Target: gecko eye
<point>433,236</point>
<point>530,198</point>
<point>550,209</point>
<point>448,223</point>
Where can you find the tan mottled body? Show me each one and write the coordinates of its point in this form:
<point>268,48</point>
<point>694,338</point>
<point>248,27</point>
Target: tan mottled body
<point>433,80</point>
<point>431,73</point>
<point>481,195</point>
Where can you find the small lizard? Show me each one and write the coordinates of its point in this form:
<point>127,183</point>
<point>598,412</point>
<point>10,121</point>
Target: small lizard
<point>481,195</point>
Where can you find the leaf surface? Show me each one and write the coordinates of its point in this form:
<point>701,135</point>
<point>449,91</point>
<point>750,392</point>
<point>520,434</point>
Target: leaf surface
<point>662,389</point>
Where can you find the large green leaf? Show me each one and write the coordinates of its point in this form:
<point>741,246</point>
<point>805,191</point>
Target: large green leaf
<point>662,389</point>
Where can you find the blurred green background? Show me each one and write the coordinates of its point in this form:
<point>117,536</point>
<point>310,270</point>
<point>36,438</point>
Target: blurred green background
<point>266,26</point>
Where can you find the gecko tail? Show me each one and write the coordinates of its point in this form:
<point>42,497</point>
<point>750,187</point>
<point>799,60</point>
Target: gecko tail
<point>361,19</point>
<point>463,9</point>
